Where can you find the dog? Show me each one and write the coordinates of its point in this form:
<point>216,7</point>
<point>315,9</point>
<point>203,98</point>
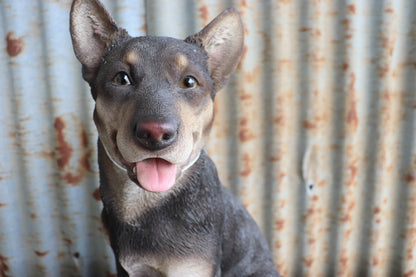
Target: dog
<point>165,210</point>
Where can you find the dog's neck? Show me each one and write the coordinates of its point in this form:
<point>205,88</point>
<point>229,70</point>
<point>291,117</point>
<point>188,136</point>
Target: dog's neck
<point>124,197</point>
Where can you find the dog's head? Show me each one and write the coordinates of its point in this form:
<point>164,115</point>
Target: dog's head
<point>154,95</point>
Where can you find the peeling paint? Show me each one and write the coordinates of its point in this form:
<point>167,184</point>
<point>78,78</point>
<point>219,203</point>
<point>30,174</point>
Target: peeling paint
<point>65,151</point>
<point>63,147</point>
<point>247,165</point>
<point>41,253</point>
<point>96,194</point>
<point>14,45</point>
<point>4,268</point>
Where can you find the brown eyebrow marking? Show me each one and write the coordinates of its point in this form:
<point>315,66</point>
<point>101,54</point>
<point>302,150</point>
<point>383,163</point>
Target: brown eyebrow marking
<point>181,62</point>
<point>132,58</point>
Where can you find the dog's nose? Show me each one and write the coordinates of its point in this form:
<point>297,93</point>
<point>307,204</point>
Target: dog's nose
<point>155,135</point>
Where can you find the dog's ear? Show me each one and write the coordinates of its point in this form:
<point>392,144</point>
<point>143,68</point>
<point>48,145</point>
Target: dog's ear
<point>223,40</point>
<point>92,31</point>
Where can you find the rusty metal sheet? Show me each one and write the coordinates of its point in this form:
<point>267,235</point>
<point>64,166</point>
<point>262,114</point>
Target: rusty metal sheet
<point>315,133</point>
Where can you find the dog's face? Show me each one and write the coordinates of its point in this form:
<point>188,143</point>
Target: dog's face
<point>153,108</point>
<point>154,95</point>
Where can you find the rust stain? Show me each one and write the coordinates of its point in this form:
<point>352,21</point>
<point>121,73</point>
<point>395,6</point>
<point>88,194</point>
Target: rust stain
<point>275,159</point>
<point>83,168</point>
<point>246,30</point>
<point>383,70</point>
<point>345,66</point>
<point>47,154</point>
<point>348,234</point>
<point>389,10</point>
<point>344,261</point>
<point>375,261</point>
<point>252,75</point>
<point>245,96</point>
<point>318,33</point>
<point>311,241</point>
<point>278,244</point>
<point>351,206</point>
<point>204,14</point>
<point>352,116</point>
<point>65,152</point>
<point>33,215</point>
<point>352,8</point>
<point>310,211</point>
<point>247,165</point>
<point>96,194</point>
<point>410,177</point>
<point>346,23</point>
<point>279,120</point>
<point>308,125</point>
<point>346,218</point>
<point>352,173</point>
<point>409,273</point>
<point>84,139</point>
<point>307,261</point>
<point>284,65</point>
<point>63,147</point>
<point>14,45</point>
<point>85,161</point>
<point>41,254</point>
<point>245,134</point>
<point>2,204</point>
<point>243,122</point>
<point>68,242</point>
<point>73,179</point>
<point>4,268</point>
<point>409,251</point>
<point>279,224</point>
<point>143,27</point>
<point>61,255</point>
<point>388,43</point>
<point>305,29</point>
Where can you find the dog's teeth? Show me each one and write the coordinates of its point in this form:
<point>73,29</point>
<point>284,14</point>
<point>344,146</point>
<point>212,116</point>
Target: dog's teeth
<point>135,170</point>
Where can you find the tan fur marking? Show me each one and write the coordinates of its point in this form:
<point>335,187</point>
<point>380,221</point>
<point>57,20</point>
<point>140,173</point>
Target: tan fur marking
<point>132,57</point>
<point>184,267</point>
<point>198,122</point>
<point>181,62</point>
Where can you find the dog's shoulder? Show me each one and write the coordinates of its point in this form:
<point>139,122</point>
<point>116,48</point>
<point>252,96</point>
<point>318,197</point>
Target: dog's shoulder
<point>245,250</point>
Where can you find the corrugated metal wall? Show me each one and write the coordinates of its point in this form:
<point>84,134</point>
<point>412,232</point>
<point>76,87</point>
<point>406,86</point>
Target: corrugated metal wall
<point>315,133</point>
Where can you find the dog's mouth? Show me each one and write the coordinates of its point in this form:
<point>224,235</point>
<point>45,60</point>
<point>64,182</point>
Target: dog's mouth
<point>153,174</point>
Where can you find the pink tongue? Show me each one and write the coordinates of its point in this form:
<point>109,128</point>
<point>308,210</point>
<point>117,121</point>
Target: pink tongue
<point>156,175</point>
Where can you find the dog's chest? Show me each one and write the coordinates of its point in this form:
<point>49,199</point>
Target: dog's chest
<point>171,267</point>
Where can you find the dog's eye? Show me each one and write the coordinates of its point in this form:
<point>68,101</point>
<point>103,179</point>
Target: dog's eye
<point>188,82</point>
<point>122,79</point>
